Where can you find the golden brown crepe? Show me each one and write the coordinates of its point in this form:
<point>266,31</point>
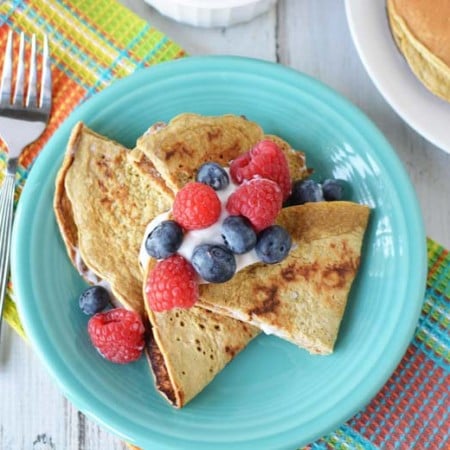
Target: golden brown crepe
<point>301,299</point>
<point>105,196</point>
<point>306,310</point>
<point>421,29</point>
<point>180,148</point>
<point>98,194</point>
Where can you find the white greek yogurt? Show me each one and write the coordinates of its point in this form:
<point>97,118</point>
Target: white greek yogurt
<point>209,235</point>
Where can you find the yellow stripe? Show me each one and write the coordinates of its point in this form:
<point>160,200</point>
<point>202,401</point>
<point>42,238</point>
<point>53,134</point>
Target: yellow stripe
<point>93,49</point>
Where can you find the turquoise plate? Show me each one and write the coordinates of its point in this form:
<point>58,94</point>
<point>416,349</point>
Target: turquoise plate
<point>273,395</point>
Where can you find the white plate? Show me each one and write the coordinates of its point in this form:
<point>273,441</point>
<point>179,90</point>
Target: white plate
<point>423,111</point>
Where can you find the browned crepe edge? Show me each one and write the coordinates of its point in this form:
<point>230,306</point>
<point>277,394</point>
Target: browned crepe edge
<point>302,231</point>
<point>69,233</point>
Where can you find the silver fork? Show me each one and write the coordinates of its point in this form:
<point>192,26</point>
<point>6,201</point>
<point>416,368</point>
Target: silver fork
<point>22,121</point>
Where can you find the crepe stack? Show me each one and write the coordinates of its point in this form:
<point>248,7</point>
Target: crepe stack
<point>421,29</point>
<point>103,200</point>
<point>106,195</point>
<point>303,298</point>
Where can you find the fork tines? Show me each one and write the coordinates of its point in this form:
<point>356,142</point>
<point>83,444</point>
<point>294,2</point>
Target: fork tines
<point>18,94</point>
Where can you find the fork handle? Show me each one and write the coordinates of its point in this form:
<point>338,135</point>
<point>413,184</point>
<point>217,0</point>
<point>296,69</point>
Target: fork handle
<point>6,220</point>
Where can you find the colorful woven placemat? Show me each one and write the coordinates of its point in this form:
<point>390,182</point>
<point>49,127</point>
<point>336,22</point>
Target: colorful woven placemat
<point>93,43</point>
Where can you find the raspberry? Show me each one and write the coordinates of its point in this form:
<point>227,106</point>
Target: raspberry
<point>171,284</point>
<point>196,206</point>
<point>118,334</point>
<point>266,160</point>
<point>259,200</point>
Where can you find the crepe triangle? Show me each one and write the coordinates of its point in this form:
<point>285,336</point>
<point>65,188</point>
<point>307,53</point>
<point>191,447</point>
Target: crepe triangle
<point>105,195</point>
<point>303,298</point>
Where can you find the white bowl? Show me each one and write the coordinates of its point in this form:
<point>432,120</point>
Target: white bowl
<point>211,13</point>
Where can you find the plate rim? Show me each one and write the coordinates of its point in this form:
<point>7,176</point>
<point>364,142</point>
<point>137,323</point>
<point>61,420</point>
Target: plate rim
<point>62,133</point>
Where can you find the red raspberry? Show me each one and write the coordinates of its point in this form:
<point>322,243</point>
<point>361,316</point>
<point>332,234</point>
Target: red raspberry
<point>118,334</point>
<point>196,206</point>
<point>171,284</point>
<point>259,200</point>
<point>266,160</point>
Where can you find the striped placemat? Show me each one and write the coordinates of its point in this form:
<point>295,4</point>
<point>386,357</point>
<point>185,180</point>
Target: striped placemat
<point>95,42</point>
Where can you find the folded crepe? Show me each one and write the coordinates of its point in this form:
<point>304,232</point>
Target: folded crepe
<point>179,148</point>
<point>303,298</point>
<point>105,196</point>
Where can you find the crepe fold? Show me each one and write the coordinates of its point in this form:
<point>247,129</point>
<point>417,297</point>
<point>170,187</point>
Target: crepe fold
<point>105,196</point>
<point>301,299</point>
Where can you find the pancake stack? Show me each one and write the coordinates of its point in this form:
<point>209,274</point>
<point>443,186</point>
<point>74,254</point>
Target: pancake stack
<point>106,195</point>
<point>421,29</point>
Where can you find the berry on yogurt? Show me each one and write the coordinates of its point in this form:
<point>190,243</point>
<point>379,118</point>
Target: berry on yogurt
<point>213,175</point>
<point>273,244</point>
<point>305,191</point>
<point>196,206</point>
<point>164,240</point>
<point>259,200</point>
<point>214,263</point>
<point>238,234</point>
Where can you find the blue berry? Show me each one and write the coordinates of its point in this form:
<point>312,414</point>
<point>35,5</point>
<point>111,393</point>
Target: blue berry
<point>332,189</point>
<point>238,234</point>
<point>213,175</point>
<point>164,240</point>
<point>214,263</point>
<point>273,244</point>
<point>94,299</point>
<point>304,191</point>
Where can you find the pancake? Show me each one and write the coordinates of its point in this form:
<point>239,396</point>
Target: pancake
<point>303,298</point>
<point>421,30</point>
<point>180,148</point>
<point>105,195</point>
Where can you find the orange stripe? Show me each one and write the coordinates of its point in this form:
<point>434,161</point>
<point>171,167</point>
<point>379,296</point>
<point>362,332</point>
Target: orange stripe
<point>67,94</point>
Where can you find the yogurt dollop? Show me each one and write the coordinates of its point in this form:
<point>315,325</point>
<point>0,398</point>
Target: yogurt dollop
<point>209,235</point>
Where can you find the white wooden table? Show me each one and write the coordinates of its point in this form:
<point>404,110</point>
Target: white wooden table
<point>309,35</point>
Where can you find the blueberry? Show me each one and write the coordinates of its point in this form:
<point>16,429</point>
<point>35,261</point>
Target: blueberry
<point>213,175</point>
<point>94,299</point>
<point>238,234</point>
<point>273,244</point>
<point>304,191</point>
<point>332,189</point>
<point>214,263</point>
<point>164,240</point>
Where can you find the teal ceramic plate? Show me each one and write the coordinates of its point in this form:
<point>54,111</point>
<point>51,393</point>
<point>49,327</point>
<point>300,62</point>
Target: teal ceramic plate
<point>273,395</point>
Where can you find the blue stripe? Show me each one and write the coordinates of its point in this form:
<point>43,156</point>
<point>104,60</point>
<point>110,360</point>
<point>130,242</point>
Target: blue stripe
<point>392,383</point>
<point>413,395</point>
<point>54,35</point>
<point>15,5</point>
<point>441,403</point>
<point>154,50</point>
<point>357,439</point>
<point>433,328</point>
<point>97,32</point>
<point>319,445</point>
<point>107,76</point>
<point>54,62</point>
